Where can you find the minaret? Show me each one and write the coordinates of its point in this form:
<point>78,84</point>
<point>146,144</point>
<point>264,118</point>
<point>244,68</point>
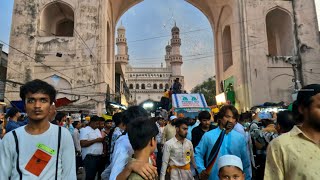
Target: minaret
<point>122,56</point>
<point>167,56</point>
<point>175,57</point>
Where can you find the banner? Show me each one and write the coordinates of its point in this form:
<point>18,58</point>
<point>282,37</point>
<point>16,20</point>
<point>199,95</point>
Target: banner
<point>188,101</point>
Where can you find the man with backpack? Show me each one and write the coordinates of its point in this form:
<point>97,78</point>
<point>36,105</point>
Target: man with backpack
<point>39,150</point>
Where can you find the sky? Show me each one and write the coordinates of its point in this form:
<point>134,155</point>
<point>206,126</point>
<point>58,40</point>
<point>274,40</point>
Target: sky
<point>150,19</point>
<point>155,18</point>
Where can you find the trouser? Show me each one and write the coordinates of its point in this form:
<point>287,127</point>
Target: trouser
<point>261,163</point>
<point>91,165</point>
<point>179,174</point>
<point>159,158</point>
<point>79,162</point>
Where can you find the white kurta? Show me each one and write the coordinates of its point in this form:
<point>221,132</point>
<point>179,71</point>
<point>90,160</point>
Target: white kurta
<point>177,154</point>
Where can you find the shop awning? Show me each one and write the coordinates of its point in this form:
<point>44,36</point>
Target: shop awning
<point>63,102</point>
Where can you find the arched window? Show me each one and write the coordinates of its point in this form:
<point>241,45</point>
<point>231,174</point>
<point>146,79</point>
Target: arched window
<point>227,48</point>
<point>130,86</point>
<point>280,33</point>
<point>161,86</point>
<point>137,86</point>
<point>155,86</point>
<point>143,86</point>
<point>57,19</point>
<point>167,86</point>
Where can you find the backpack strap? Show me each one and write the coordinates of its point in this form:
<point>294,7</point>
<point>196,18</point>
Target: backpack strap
<point>57,161</point>
<point>17,150</point>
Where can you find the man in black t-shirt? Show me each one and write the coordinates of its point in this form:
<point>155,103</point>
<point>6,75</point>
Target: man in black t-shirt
<point>204,126</point>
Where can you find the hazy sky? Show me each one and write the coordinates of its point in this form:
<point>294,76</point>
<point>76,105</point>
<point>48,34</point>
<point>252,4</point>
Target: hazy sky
<point>150,19</point>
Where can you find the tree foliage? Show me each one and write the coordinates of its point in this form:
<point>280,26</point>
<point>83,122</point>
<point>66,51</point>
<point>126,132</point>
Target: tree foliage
<point>208,89</point>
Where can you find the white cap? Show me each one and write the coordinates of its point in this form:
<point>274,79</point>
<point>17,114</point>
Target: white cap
<point>230,160</point>
<point>173,117</point>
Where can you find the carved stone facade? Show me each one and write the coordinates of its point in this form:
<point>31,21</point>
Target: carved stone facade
<point>149,83</point>
<point>252,40</point>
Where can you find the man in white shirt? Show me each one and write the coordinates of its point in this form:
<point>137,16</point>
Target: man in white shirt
<point>178,153</point>
<point>92,148</point>
<point>39,150</point>
<point>123,152</point>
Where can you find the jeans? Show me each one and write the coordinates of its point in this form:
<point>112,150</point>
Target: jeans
<point>91,164</point>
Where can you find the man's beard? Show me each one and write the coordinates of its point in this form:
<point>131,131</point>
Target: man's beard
<point>182,135</point>
<point>315,123</point>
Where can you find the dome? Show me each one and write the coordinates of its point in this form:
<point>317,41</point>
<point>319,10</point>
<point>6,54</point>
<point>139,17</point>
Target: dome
<point>168,47</point>
<point>121,27</point>
<point>175,29</point>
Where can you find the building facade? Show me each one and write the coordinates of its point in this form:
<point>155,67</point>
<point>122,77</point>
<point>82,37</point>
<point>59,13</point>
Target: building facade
<point>70,44</point>
<point>149,83</point>
<point>3,72</point>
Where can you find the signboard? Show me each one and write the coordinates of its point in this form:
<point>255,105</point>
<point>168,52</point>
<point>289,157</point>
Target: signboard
<point>188,101</point>
<point>189,112</point>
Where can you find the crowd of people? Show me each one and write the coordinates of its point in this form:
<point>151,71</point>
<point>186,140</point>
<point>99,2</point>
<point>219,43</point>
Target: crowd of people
<point>230,145</point>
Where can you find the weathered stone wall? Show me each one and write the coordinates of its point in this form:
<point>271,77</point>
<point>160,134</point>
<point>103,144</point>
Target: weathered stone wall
<point>270,78</point>
<point>82,56</point>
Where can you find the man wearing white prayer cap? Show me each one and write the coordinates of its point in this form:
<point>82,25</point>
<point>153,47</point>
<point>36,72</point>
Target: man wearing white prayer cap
<point>230,167</point>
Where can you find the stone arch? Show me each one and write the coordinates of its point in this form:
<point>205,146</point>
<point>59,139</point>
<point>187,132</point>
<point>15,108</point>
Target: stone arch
<point>227,47</point>
<point>155,86</point>
<point>161,86</point>
<point>279,29</point>
<point>137,86</point>
<point>143,86</point>
<point>62,85</point>
<point>56,19</point>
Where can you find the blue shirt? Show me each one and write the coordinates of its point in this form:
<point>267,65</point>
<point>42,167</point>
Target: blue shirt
<point>120,157</point>
<point>189,135</point>
<point>233,143</point>
<point>11,125</point>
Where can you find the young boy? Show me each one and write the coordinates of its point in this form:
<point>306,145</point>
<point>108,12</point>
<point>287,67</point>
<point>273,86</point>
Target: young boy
<point>142,135</point>
<point>38,150</point>
<point>230,167</point>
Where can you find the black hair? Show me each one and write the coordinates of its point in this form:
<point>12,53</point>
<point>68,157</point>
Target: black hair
<point>224,109</point>
<point>94,118</point>
<point>306,93</point>
<point>38,86</point>
<point>286,120</point>
<point>12,112</point>
<point>298,118</point>
<point>102,119</point>
<point>141,131</point>
<point>59,116</point>
<point>266,122</point>
<point>204,115</point>
<point>178,122</point>
<point>75,123</point>
<point>117,118</point>
<point>132,113</point>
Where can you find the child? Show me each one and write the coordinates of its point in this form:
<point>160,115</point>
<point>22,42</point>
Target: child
<point>230,167</point>
<point>142,135</point>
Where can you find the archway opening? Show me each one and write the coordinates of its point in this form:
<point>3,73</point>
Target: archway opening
<point>280,33</point>
<point>57,19</point>
<point>149,34</point>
